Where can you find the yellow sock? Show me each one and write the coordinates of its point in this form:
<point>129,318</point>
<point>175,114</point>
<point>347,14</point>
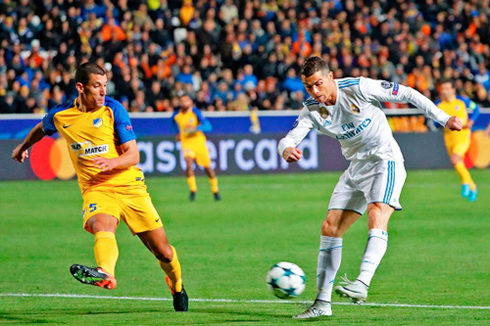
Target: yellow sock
<point>191,181</point>
<point>214,184</point>
<point>464,174</point>
<point>173,271</point>
<point>106,252</point>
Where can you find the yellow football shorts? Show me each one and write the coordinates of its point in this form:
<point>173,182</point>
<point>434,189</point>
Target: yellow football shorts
<point>457,144</point>
<point>131,203</point>
<point>198,153</point>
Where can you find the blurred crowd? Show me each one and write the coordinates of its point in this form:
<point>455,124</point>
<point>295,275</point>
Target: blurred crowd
<point>235,55</point>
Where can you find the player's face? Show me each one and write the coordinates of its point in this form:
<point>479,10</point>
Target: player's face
<point>94,92</point>
<point>185,102</point>
<point>320,86</point>
<point>447,91</point>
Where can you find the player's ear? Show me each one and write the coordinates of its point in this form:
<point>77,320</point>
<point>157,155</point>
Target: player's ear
<point>330,74</point>
<point>79,87</point>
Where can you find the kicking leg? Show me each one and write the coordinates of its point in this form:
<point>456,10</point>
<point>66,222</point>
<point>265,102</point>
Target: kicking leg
<point>156,241</point>
<point>335,225</point>
<point>378,217</point>
<point>103,226</point>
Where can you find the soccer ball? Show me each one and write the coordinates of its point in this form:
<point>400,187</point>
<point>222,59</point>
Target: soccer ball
<point>286,280</point>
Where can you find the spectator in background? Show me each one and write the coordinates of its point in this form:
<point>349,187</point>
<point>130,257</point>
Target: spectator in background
<point>185,76</point>
<point>229,11</point>
<point>417,43</point>
<point>186,12</point>
<point>293,82</point>
<point>483,76</point>
<point>248,76</point>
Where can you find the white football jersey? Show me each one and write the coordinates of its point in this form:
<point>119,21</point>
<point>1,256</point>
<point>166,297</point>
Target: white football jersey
<point>356,118</point>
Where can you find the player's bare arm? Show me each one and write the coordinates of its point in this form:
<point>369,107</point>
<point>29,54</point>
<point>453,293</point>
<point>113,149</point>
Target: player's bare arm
<point>292,154</point>
<point>20,153</point>
<point>130,157</point>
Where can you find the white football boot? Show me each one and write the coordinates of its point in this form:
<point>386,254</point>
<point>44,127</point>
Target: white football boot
<point>318,309</point>
<point>356,291</point>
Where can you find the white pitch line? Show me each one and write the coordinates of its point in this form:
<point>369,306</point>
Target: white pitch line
<point>84,296</point>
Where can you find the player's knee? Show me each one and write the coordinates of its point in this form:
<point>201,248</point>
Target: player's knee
<point>330,230</point>
<point>378,215</point>
<point>164,254</point>
<point>102,224</point>
<point>375,208</point>
<point>210,172</point>
<point>455,159</point>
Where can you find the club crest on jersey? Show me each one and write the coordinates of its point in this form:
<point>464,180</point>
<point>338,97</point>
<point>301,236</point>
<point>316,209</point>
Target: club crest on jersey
<point>355,109</point>
<point>324,112</point>
<point>97,122</point>
<point>456,107</point>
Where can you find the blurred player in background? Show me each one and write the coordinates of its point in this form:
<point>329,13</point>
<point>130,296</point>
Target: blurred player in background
<point>348,109</point>
<point>189,126</point>
<point>457,143</point>
<point>103,150</point>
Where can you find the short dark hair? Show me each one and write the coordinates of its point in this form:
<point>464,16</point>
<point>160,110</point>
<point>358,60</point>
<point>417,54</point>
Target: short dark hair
<point>82,75</point>
<point>446,80</point>
<point>312,65</point>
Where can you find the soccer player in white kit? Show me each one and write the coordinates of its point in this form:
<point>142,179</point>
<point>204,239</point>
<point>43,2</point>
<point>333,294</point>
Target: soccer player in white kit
<point>348,109</point>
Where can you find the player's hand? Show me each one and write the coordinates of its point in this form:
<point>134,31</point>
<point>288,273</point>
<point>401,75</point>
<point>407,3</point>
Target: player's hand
<point>19,154</point>
<point>454,123</point>
<point>104,164</point>
<point>292,154</point>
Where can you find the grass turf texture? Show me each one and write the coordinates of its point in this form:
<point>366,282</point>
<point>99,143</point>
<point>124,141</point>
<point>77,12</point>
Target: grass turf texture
<point>438,252</point>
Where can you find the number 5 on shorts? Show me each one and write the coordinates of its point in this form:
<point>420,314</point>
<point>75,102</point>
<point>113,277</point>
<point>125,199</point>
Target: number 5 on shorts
<point>92,207</point>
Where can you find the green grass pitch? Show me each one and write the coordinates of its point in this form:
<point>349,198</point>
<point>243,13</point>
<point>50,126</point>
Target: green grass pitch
<point>438,254</point>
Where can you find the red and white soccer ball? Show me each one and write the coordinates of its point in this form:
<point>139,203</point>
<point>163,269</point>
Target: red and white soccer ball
<point>286,280</point>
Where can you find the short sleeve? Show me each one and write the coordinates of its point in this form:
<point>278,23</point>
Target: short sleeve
<point>48,120</point>
<point>175,126</point>
<point>198,114</point>
<point>48,123</point>
<point>122,123</point>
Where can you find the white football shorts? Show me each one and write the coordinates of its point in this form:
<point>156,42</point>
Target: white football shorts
<point>366,182</point>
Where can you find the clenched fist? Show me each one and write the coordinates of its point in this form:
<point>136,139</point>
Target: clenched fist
<point>454,123</point>
<point>291,154</point>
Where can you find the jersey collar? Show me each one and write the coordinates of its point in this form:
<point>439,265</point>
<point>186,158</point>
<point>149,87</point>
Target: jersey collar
<point>332,108</point>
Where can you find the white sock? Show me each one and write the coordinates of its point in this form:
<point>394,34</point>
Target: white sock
<point>328,264</point>
<point>375,250</point>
